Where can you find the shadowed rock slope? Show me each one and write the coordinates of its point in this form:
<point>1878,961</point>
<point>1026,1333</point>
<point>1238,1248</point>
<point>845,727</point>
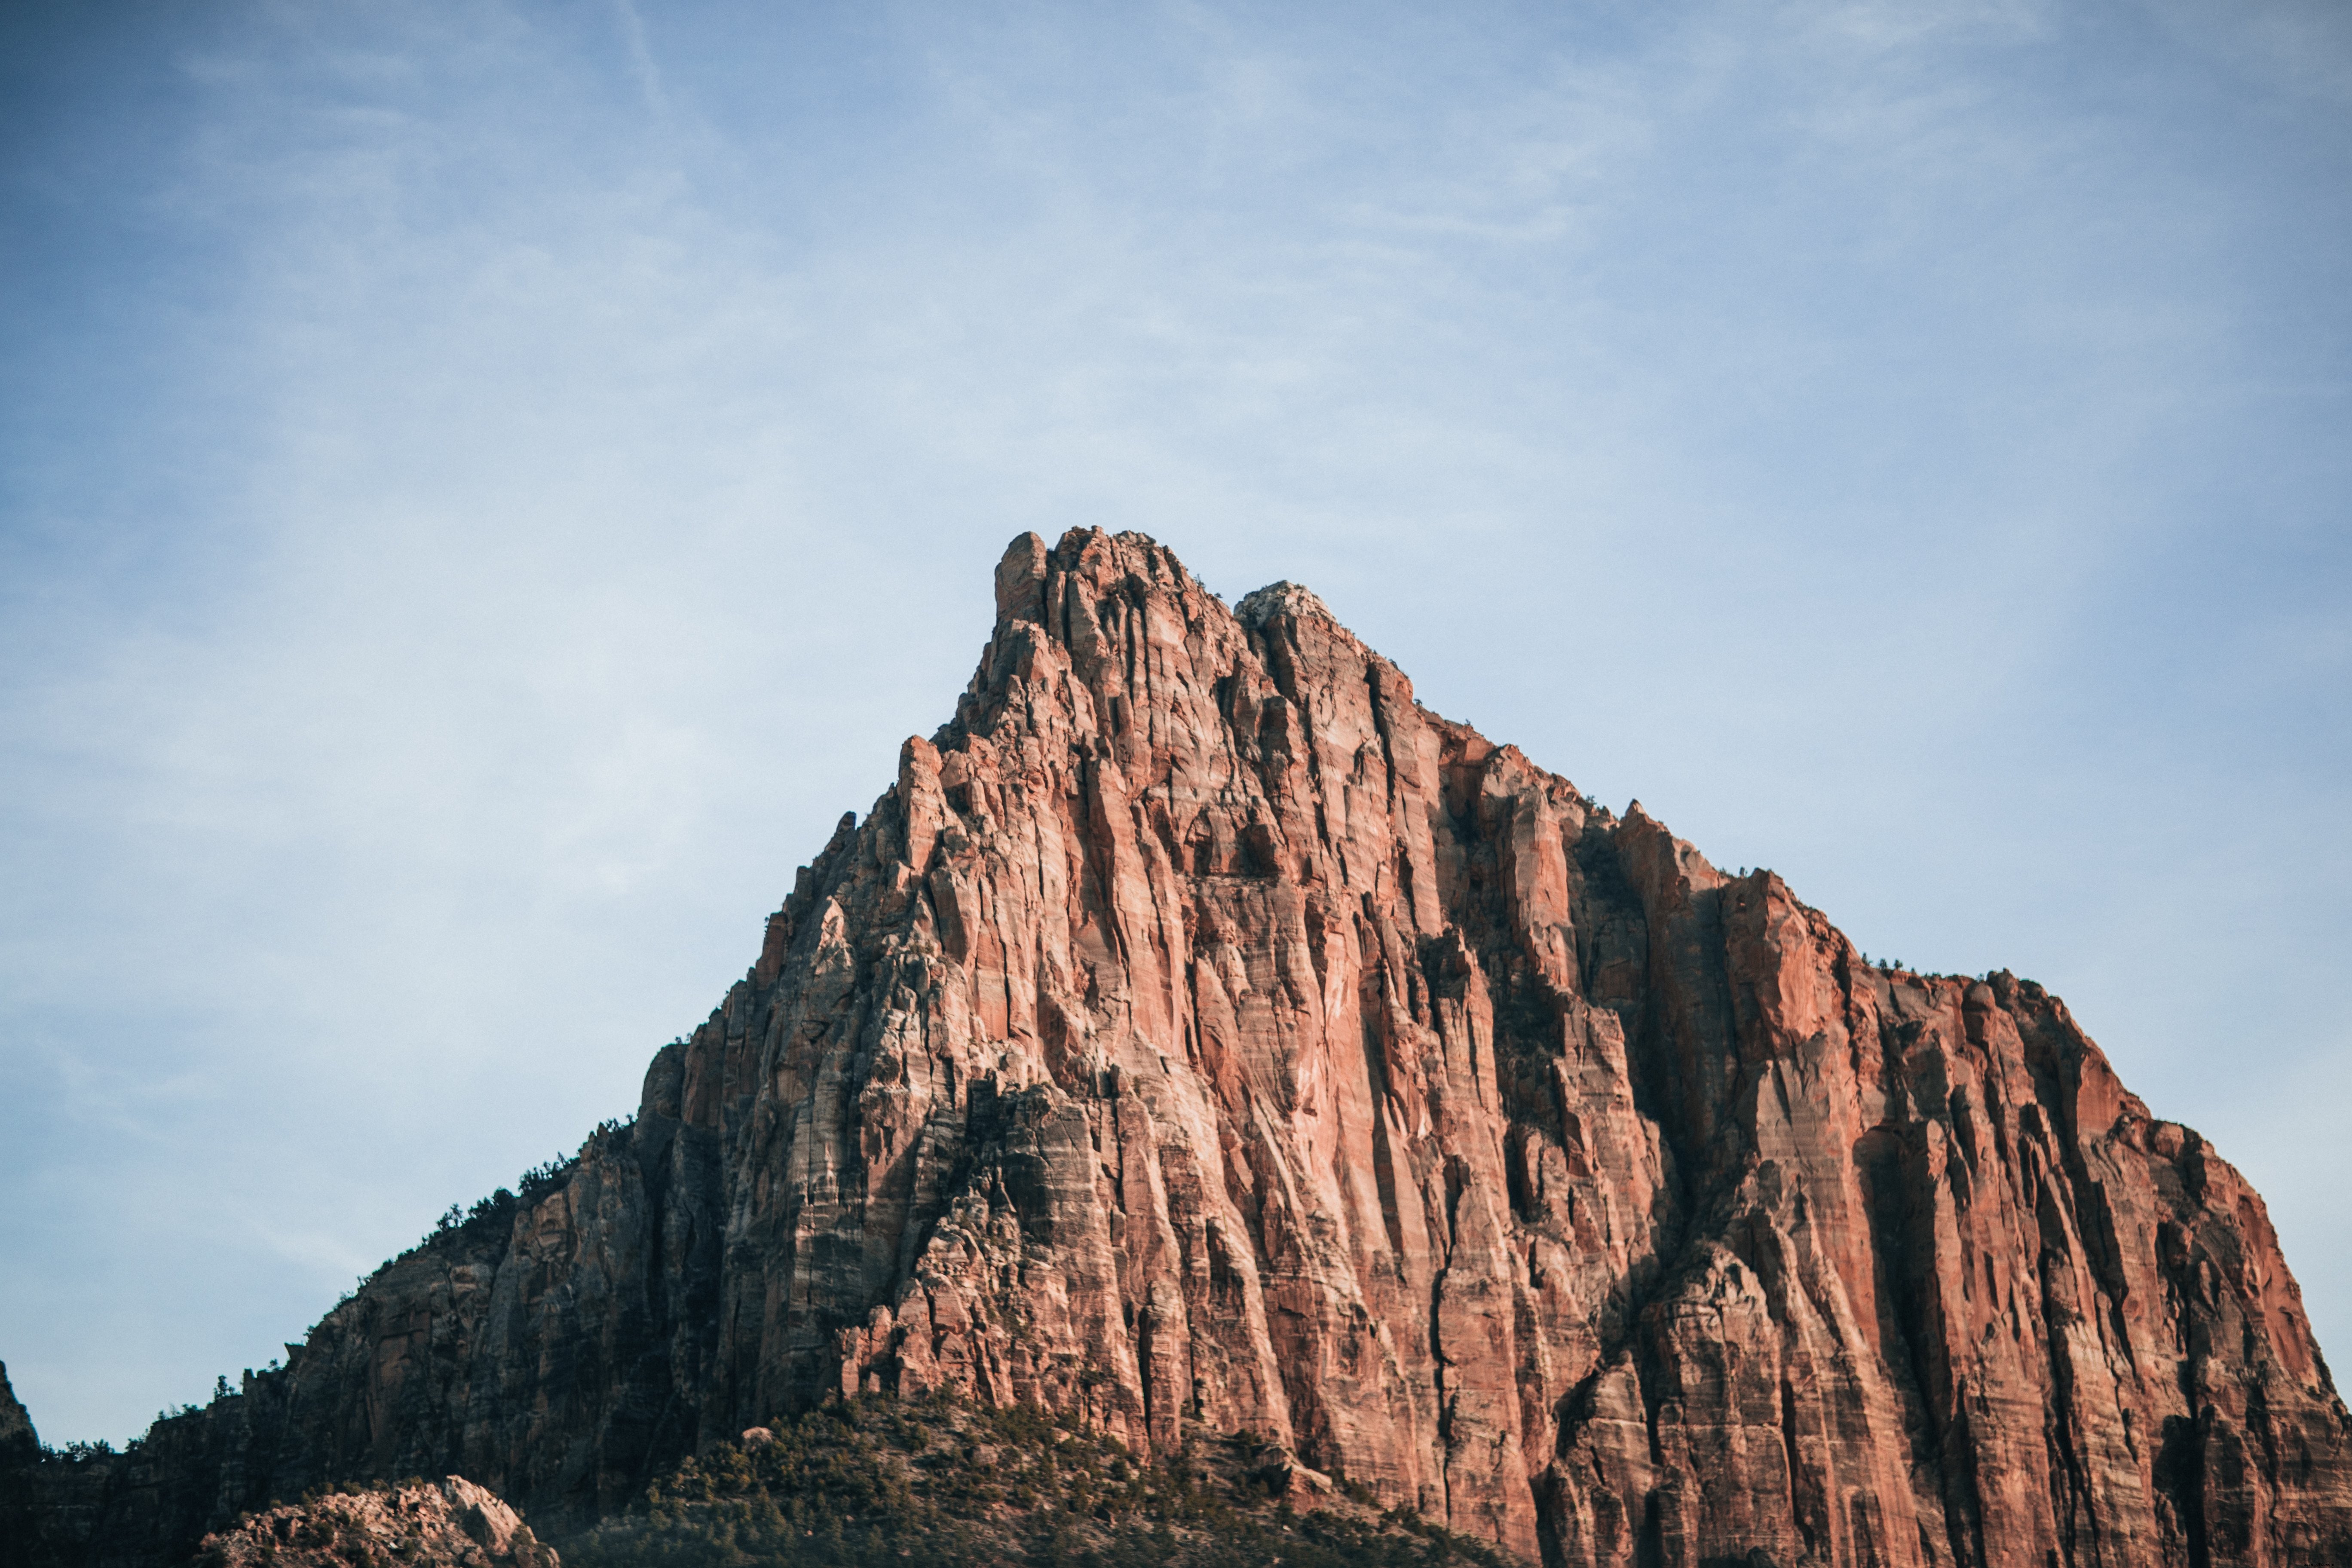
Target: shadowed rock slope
<point>1201,1034</point>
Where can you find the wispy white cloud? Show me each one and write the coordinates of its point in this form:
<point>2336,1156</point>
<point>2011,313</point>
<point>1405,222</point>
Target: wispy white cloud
<point>641,58</point>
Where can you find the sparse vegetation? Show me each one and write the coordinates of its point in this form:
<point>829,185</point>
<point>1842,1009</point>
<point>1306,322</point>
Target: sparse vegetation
<point>932,1482</point>
<point>488,1217</point>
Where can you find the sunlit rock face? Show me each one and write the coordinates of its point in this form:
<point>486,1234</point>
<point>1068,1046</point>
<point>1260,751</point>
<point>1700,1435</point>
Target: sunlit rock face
<point>1201,1034</point>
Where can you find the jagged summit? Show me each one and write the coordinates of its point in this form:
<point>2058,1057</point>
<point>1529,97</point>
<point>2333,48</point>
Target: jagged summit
<point>1278,598</point>
<point>1200,1034</point>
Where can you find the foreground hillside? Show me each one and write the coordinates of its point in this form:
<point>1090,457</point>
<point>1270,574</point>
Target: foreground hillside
<point>934,1484</point>
<point>1200,1036</point>
<point>875,1482</point>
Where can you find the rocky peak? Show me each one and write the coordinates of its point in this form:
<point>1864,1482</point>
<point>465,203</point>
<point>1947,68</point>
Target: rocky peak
<point>1200,1036</point>
<point>1284,598</point>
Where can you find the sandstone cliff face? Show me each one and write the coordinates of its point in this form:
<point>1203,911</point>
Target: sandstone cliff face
<point>1200,1033</point>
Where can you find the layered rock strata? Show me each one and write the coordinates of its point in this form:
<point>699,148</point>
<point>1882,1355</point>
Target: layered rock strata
<point>1200,1033</point>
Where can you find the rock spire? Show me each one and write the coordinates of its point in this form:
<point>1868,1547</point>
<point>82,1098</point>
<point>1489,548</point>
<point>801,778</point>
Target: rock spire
<point>1200,1034</point>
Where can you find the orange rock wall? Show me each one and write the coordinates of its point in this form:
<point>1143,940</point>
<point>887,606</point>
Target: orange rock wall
<point>1201,1034</point>
<point>1202,1031</point>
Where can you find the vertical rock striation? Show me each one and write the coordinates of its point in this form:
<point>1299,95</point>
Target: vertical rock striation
<point>1201,1033</point>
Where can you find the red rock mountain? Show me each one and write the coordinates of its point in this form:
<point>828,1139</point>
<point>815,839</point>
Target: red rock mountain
<point>1201,1034</point>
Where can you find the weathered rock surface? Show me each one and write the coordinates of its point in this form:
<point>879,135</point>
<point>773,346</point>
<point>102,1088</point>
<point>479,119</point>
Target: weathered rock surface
<point>17,1433</point>
<point>452,1523</point>
<point>1201,1033</point>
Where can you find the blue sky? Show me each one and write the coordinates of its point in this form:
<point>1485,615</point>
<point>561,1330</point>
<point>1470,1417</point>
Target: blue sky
<point>482,488</point>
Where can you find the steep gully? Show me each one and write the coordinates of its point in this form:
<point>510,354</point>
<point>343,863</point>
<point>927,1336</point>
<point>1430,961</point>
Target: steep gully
<point>1201,1034</point>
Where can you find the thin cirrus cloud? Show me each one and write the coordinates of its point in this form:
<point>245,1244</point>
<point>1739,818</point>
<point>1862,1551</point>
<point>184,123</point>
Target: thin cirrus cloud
<point>485,488</point>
